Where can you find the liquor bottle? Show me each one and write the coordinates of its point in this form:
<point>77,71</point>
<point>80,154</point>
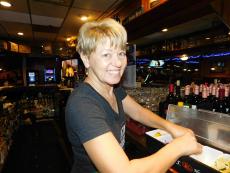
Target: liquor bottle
<point>170,99</point>
<point>204,103</point>
<point>227,99</point>
<point>200,90</point>
<point>178,97</point>
<point>212,96</point>
<point>207,91</point>
<point>195,98</point>
<point>210,90</point>
<point>187,97</point>
<point>221,105</point>
<point>215,100</point>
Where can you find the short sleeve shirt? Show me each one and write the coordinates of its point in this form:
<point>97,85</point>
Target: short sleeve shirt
<point>89,115</point>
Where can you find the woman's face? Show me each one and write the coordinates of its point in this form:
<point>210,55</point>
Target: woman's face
<point>107,64</point>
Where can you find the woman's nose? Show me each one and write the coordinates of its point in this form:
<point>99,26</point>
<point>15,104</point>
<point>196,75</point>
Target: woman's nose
<point>117,61</point>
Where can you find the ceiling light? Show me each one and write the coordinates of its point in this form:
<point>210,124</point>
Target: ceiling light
<point>84,18</point>
<point>20,33</point>
<point>164,30</point>
<point>196,69</point>
<point>0,69</point>
<point>213,69</point>
<point>184,57</point>
<point>68,39</point>
<point>229,33</point>
<point>5,4</point>
<point>207,38</point>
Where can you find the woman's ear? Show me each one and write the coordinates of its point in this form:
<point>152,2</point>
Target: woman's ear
<point>85,60</point>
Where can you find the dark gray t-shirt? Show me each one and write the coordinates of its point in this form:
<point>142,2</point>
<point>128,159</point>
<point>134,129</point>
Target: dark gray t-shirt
<point>89,115</point>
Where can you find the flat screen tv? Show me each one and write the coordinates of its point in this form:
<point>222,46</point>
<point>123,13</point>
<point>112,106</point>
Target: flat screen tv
<point>49,75</point>
<point>156,63</point>
<point>69,67</point>
<point>31,77</point>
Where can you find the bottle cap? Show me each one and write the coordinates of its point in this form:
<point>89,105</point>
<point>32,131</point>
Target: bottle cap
<point>180,104</point>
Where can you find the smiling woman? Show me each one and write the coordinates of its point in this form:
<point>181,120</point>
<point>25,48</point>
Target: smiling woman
<point>96,110</point>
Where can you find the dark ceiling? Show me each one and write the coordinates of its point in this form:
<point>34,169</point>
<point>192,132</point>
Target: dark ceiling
<point>52,21</point>
<point>49,20</point>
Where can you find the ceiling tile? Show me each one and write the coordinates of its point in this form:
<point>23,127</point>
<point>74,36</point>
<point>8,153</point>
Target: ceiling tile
<point>47,21</point>
<point>13,28</point>
<point>56,2</point>
<point>94,5</point>
<point>50,37</point>
<point>48,9</point>
<point>11,16</point>
<point>73,22</point>
<point>19,6</point>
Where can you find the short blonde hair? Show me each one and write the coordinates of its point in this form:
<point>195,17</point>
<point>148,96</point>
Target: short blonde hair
<point>97,32</point>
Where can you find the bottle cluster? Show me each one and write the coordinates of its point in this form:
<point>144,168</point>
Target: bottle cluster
<point>213,97</point>
<point>9,123</point>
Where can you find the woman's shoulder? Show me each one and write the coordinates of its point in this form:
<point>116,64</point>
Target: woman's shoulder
<point>120,92</point>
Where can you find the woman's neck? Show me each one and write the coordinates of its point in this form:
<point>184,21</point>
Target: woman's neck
<point>103,89</point>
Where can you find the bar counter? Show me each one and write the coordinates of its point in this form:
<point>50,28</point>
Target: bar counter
<point>147,146</point>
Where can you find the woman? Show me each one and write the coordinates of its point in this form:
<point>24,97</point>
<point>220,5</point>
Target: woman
<point>95,112</point>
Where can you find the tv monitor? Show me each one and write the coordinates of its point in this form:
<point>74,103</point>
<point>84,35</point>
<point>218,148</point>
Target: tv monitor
<point>32,77</point>
<point>156,63</point>
<point>69,67</point>
<point>50,75</point>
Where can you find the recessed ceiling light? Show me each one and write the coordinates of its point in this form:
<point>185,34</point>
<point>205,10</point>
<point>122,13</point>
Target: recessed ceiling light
<point>164,30</point>
<point>20,33</point>
<point>213,69</point>
<point>229,33</point>
<point>5,4</point>
<point>84,18</point>
<point>207,38</point>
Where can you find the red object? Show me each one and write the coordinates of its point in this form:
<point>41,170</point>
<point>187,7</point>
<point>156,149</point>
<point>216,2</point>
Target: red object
<point>136,127</point>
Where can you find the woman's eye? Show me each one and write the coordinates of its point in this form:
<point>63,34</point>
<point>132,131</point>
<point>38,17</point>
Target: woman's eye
<point>106,55</point>
<point>122,54</point>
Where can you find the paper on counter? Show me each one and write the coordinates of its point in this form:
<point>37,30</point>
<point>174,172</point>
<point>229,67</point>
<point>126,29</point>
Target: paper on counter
<point>160,135</point>
<point>208,155</point>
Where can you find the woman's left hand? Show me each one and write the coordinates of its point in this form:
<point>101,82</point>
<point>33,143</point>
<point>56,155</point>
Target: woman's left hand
<point>177,131</point>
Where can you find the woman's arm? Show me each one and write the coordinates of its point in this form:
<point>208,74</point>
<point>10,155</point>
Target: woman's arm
<point>108,156</point>
<point>150,119</point>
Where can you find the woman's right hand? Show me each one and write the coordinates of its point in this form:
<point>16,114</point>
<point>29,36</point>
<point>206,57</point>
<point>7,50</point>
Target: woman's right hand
<point>187,144</point>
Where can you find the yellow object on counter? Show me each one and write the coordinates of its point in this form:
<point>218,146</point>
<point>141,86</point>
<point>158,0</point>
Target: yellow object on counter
<point>158,134</point>
<point>180,104</point>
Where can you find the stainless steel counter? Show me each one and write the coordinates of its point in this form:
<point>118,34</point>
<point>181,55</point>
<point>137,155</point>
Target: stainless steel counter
<point>211,128</point>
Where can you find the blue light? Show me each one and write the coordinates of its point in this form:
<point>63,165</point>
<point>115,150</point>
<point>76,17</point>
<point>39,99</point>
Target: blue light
<point>192,62</point>
<point>212,55</point>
